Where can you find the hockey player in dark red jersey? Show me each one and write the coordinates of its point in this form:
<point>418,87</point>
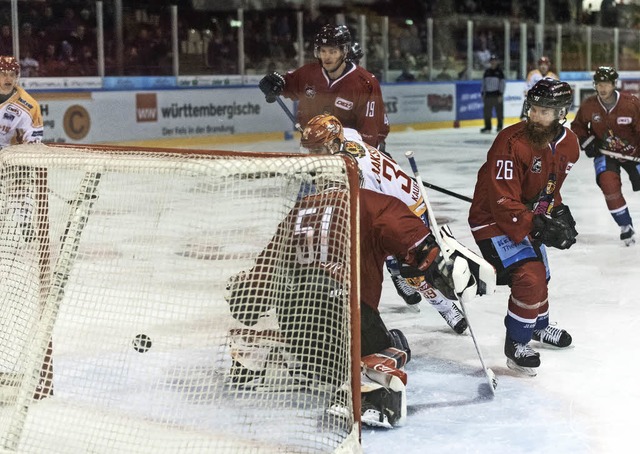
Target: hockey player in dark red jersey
<point>517,210</point>
<point>609,121</point>
<point>305,248</point>
<point>334,84</point>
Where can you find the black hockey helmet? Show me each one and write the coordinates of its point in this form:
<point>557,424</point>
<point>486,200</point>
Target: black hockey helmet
<point>355,53</point>
<point>551,93</point>
<point>605,74</point>
<point>334,36</point>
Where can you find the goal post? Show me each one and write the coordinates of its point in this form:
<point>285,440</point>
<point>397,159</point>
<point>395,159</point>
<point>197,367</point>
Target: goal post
<point>190,300</point>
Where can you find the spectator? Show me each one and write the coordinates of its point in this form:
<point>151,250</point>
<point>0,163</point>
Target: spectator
<point>29,43</point>
<point>406,75</point>
<point>51,65</point>
<point>28,65</point>
<point>6,40</point>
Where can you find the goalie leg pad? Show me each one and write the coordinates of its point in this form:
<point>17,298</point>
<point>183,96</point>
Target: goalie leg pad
<point>254,354</point>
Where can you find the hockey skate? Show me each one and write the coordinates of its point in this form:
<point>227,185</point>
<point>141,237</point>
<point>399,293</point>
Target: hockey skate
<point>381,407</point>
<point>627,235</point>
<point>521,357</point>
<point>409,294</point>
<point>455,319</point>
<point>553,336</point>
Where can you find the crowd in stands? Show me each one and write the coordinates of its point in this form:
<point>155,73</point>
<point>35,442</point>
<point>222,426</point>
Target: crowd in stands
<point>58,37</point>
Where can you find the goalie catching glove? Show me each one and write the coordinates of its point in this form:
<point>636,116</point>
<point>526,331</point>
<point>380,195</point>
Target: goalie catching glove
<point>272,85</point>
<point>556,231</point>
<point>453,277</point>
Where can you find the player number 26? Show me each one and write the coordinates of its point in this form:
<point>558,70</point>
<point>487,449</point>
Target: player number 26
<point>505,170</point>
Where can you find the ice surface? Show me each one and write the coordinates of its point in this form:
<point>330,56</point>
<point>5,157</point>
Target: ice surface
<point>585,398</point>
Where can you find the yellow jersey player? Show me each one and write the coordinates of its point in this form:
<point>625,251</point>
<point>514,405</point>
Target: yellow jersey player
<point>21,120</point>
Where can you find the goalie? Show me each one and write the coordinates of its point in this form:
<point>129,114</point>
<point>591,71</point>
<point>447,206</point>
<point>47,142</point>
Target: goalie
<point>305,254</point>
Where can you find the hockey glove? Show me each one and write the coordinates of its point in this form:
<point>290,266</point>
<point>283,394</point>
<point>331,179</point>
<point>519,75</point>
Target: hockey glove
<point>272,85</point>
<point>563,214</point>
<point>553,232</point>
<point>430,267</point>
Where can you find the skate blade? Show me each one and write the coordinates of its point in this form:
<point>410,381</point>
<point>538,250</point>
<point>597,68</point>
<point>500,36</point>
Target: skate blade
<point>528,371</point>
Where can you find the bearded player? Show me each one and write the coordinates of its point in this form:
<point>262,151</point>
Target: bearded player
<point>518,211</point>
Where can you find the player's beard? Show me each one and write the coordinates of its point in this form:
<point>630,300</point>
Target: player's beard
<point>540,136</point>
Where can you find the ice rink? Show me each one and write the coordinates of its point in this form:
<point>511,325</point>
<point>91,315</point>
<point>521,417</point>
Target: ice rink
<point>108,396</point>
<point>585,398</point>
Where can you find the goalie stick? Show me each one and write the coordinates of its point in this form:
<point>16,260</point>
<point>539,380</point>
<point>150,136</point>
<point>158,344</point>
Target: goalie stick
<point>448,249</point>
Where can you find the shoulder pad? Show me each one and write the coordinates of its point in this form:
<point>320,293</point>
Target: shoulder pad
<point>354,149</point>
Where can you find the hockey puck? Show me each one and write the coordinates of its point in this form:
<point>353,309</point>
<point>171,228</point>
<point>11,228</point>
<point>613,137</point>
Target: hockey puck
<point>141,343</point>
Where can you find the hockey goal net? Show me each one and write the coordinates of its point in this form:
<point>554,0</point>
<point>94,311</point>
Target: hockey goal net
<point>139,311</point>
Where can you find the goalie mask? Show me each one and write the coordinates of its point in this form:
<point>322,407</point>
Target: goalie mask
<point>322,135</point>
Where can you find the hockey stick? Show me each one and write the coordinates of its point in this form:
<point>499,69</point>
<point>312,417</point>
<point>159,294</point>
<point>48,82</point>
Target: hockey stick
<point>289,114</point>
<point>447,252</point>
<point>429,185</point>
<point>446,191</point>
<point>613,154</point>
<point>609,153</point>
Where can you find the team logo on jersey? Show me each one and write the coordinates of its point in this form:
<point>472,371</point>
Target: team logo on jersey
<point>354,149</point>
<point>8,116</point>
<point>569,167</point>
<point>624,120</point>
<point>25,103</point>
<point>536,165</point>
<point>343,104</point>
<point>13,110</point>
<point>310,91</point>
<point>596,118</point>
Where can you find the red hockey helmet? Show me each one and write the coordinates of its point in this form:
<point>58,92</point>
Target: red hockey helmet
<point>8,63</point>
<point>322,134</point>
